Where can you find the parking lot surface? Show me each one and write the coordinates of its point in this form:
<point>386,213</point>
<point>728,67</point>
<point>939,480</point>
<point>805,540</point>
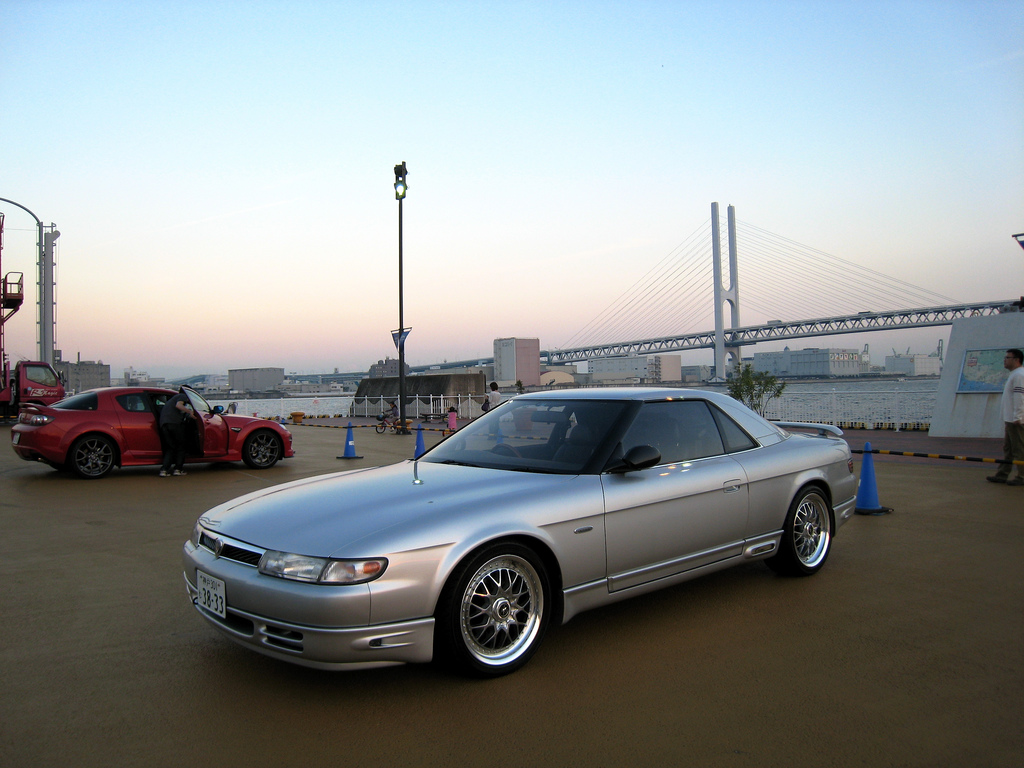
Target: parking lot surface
<point>906,650</point>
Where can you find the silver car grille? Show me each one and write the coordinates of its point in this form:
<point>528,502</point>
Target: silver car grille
<point>229,549</point>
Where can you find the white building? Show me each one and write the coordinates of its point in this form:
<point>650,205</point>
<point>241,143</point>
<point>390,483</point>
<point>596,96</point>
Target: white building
<point>809,363</point>
<point>913,365</point>
<point>636,369</point>
<point>517,360</point>
<point>255,379</point>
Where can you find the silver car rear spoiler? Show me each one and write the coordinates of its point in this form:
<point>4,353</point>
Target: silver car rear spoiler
<point>822,429</point>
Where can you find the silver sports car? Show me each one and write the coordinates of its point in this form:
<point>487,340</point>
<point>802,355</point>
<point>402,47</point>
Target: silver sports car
<point>551,504</point>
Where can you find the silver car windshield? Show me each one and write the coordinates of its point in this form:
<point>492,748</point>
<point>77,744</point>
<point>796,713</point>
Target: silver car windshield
<point>556,436</point>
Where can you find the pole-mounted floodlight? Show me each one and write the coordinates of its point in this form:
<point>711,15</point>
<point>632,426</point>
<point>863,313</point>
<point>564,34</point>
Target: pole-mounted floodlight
<point>400,188</point>
<point>1019,238</point>
<point>400,183</point>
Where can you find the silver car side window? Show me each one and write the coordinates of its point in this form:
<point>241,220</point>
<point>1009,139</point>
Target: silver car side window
<point>681,430</point>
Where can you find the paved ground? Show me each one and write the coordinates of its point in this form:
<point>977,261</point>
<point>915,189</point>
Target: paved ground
<point>906,650</point>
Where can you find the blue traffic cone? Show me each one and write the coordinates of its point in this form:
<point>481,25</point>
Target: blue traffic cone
<point>350,445</point>
<point>867,489</point>
<point>420,448</point>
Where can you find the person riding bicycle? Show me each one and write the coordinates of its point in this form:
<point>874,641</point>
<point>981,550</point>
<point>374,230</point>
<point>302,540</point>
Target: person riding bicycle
<point>393,413</point>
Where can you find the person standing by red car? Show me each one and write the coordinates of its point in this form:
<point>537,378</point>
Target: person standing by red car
<point>173,416</point>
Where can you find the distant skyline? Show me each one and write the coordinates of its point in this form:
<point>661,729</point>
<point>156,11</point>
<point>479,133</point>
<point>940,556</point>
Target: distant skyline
<point>221,174</point>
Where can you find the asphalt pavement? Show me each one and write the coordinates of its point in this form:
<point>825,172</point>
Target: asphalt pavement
<point>905,650</point>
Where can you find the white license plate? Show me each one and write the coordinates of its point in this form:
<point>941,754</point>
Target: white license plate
<point>15,438</point>
<point>211,594</point>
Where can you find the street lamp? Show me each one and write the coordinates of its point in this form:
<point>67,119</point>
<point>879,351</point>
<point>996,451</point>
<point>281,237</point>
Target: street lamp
<point>45,265</point>
<point>400,188</point>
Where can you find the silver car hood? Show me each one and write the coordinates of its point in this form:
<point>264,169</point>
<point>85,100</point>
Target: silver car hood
<point>371,512</point>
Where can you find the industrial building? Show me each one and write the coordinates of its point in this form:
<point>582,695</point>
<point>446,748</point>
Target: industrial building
<point>517,360</point>
<point>81,374</point>
<point>638,369</point>
<point>385,368</point>
<point>810,363</point>
<point>913,365</point>
<point>255,379</point>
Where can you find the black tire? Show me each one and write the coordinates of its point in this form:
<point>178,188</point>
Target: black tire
<point>379,428</point>
<point>494,612</point>
<point>806,537</point>
<point>262,449</point>
<point>92,456</point>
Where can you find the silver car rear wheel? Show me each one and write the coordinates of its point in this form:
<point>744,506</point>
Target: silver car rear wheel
<point>497,613</point>
<point>807,535</point>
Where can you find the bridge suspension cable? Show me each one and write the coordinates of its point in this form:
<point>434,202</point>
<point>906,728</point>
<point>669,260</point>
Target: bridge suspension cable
<point>779,279</point>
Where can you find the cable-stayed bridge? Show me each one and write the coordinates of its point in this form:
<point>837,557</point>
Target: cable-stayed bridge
<point>777,330</point>
<point>782,280</point>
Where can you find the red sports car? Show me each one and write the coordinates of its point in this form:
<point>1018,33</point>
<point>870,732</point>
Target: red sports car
<point>92,432</point>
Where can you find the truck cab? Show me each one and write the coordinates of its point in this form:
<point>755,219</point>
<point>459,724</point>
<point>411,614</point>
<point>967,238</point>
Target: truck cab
<point>29,382</point>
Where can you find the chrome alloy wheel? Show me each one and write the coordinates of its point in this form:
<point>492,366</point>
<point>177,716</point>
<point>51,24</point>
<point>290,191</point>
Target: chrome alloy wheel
<point>501,610</point>
<point>811,530</point>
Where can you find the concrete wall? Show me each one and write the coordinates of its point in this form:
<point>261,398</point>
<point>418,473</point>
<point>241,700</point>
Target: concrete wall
<point>973,414</point>
<point>440,384</point>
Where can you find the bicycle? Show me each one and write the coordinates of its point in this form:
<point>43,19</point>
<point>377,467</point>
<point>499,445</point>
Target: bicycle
<point>384,423</point>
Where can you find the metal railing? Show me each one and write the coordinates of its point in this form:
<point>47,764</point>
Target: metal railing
<point>889,409</point>
<point>883,409</point>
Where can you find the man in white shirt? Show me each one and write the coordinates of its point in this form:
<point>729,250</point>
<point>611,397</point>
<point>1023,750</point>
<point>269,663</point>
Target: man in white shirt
<point>1013,421</point>
<point>494,396</point>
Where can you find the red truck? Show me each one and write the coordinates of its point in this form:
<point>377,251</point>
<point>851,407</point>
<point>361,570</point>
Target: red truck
<point>29,382</point>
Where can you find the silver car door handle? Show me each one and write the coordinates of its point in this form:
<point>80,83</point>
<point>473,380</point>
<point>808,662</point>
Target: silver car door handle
<point>732,486</point>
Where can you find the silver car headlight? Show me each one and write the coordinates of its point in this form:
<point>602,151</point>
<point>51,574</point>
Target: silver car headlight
<point>321,570</point>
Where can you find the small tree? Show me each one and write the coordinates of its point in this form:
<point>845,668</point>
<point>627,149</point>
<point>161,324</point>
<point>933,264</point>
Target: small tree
<point>519,386</point>
<point>755,389</point>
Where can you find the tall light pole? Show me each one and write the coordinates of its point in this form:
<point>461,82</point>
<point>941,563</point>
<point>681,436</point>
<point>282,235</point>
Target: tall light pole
<point>400,188</point>
<point>45,264</point>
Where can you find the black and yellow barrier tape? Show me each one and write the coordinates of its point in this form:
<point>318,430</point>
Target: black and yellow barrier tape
<point>936,456</point>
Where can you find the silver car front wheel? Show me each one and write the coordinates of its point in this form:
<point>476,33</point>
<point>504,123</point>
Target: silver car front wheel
<point>494,618</point>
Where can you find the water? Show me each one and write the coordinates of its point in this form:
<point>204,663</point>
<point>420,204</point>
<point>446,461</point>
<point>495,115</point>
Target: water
<point>899,404</point>
<point>892,404</point>
<point>283,407</point>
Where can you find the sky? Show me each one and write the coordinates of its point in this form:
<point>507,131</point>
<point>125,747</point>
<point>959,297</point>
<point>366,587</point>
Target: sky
<point>221,173</point>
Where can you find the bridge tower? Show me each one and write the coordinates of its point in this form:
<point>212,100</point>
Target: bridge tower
<point>723,294</point>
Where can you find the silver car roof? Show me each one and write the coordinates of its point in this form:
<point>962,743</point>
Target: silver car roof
<point>627,393</point>
<point>758,427</point>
